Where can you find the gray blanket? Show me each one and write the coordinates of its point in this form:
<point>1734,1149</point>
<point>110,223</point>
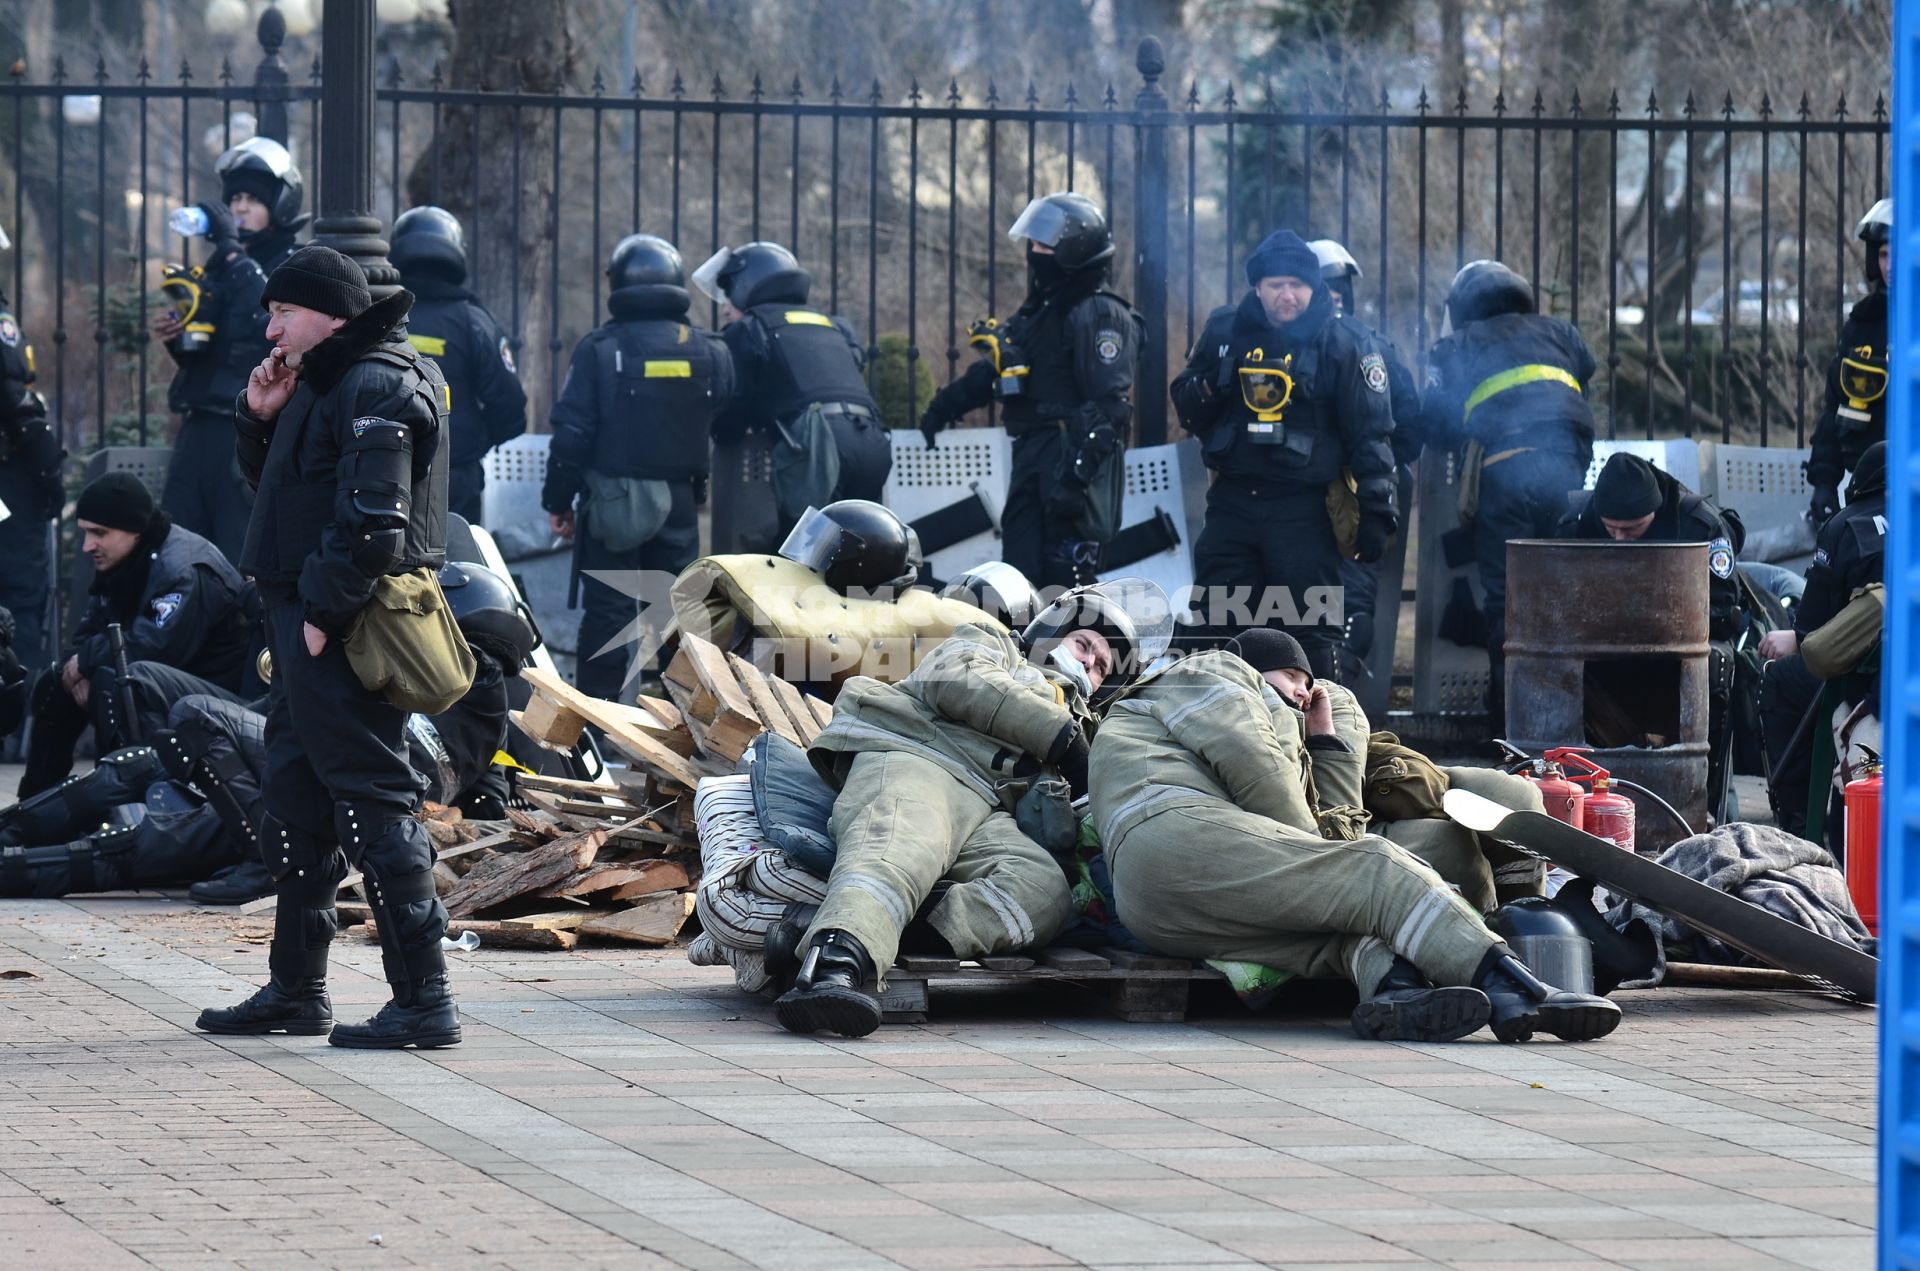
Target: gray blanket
<point>1764,866</point>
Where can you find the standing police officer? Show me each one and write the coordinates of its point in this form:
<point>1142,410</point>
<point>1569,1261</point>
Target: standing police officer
<point>342,432</point>
<point>220,335</point>
<point>1512,384</point>
<point>799,375</point>
<point>1292,402</point>
<point>30,458</point>
<point>1856,412</point>
<point>450,325</point>
<point>630,439</point>
<point>1062,369</point>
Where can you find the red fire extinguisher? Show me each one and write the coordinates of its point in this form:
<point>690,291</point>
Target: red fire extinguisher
<point>1606,814</point>
<point>1862,801</point>
<point>1565,800</point>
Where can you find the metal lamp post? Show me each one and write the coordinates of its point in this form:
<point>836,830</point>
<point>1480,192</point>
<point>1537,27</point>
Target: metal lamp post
<point>346,221</point>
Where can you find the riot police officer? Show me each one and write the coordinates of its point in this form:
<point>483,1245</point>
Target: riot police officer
<point>1856,410</point>
<point>630,439</point>
<point>1338,269</point>
<point>1062,369</point>
<point>1511,384</point>
<point>30,458</point>
<point>216,333</point>
<point>799,376</point>
<point>450,325</point>
<point>1292,402</point>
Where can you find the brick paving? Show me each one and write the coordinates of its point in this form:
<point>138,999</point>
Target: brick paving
<point>628,1110</point>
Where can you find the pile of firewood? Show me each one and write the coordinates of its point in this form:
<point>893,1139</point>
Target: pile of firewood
<point>617,858</point>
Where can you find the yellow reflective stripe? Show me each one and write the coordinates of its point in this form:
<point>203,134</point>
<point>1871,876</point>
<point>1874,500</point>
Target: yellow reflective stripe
<point>29,353</point>
<point>431,345</point>
<point>669,370</point>
<point>808,318</point>
<point>446,396</point>
<point>1532,373</point>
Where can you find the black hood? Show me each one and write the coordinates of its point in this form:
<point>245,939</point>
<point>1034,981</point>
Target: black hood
<point>272,243</point>
<point>327,361</point>
<point>428,285</point>
<point>787,287</point>
<point>1870,474</point>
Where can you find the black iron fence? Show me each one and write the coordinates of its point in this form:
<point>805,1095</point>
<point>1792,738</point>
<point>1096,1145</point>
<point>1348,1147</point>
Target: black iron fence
<point>1705,249</point>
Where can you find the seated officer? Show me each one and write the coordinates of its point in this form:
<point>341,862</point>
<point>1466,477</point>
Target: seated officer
<point>177,600</point>
<point>930,859</point>
<point>1229,807</point>
<point>1634,502</point>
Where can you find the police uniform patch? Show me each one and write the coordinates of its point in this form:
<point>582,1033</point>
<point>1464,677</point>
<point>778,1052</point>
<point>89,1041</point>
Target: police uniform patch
<point>164,607</point>
<point>506,356</point>
<point>1106,346</point>
<point>9,331</point>
<point>1820,557</point>
<point>1373,369</point>
<point>1720,558</point>
<point>366,423</point>
<point>1433,375</point>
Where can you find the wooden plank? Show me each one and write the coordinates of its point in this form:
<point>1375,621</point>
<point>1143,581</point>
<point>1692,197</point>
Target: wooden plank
<point>765,704</point>
<point>558,920</point>
<point>641,878</point>
<point>663,876</point>
<point>805,726</point>
<point>1006,963</point>
<point>718,701</point>
<point>567,786</point>
<point>656,920</point>
<point>620,725</point>
<point>822,713</point>
<point>501,878</point>
<point>661,709</point>
<point>926,965</point>
<point>1129,961</point>
<point>550,720</point>
<point>498,935</point>
<point>1073,961</point>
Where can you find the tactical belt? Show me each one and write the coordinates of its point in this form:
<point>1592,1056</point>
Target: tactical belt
<point>1150,537</point>
<point>1514,377</point>
<point>954,523</point>
<point>853,409</point>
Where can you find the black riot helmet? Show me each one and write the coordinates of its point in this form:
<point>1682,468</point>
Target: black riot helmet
<point>855,543</point>
<point>642,260</point>
<point>1548,941</point>
<point>1132,614</point>
<point>1486,289</point>
<point>1072,225</point>
<point>1875,228</point>
<point>429,240</point>
<point>490,614</point>
<point>754,274</point>
<point>262,167</point>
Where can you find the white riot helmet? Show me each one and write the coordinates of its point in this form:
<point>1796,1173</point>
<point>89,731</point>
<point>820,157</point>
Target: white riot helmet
<point>1338,269</point>
<point>999,590</point>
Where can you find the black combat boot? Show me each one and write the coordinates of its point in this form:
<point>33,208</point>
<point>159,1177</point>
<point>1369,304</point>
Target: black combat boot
<point>1408,1008</point>
<point>1523,1003</point>
<point>836,989</point>
<point>298,1006</point>
<point>234,885</point>
<point>422,1013</point>
<point>295,999</point>
<point>426,1019</point>
<point>780,952</point>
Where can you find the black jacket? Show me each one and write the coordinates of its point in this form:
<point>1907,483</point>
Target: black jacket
<point>352,476</point>
<point>178,602</point>
<point>1502,381</point>
<point>207,379</point>
<point>1683,517</point>
<point>30,454</point>
<point>640,397</point>
<point>1851,553</point>
<point>1080,344</point>
<point>455,748</point>
<point>1339,416</point>
<point>450,325</point>
<point>1839,439</point>
<point>787,357</point>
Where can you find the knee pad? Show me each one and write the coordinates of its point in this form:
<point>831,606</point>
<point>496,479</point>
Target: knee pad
<point>288,852</point>
<point>94,863</point>
<point>377,838</point>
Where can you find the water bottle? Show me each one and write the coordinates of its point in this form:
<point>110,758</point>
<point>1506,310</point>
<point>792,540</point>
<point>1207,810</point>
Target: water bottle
<point>467,943</point>
<point>189,222</point>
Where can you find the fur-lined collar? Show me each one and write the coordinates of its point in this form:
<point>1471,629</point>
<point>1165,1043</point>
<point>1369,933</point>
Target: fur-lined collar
<point>327,362</point>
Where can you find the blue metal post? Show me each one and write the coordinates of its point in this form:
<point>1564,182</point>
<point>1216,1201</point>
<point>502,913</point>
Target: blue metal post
<point>1900,710</point>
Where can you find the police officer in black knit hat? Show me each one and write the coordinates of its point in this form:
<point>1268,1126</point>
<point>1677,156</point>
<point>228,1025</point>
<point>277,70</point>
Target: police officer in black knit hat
<point>1291,401</point>
<point>342,432</point>
<point>450,325</point>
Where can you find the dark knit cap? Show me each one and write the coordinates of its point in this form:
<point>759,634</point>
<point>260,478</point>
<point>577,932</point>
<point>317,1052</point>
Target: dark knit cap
<point>117,500</point>
<point>1265,649</point>
<point>1627,489</point>
<point>1283,252</point>
<point>1870,474</point>
<point>251,179</point>
<point>321,279</point>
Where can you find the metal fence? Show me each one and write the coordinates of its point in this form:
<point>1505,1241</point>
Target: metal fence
<point>1706,253</point>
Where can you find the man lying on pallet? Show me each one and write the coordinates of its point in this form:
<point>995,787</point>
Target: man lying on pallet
<point>1230,812</point>
<point>939,777</point>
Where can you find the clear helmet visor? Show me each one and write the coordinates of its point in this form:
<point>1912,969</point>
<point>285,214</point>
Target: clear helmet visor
<point>707,277</point>
<point>1042,223</point>
<point>814,542</point>
<point>1151,612</point>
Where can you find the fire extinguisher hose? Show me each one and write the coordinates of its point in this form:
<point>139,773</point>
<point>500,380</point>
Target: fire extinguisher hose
<point>1670,809</point>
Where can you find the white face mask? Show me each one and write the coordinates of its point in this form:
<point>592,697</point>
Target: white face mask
<point>1064,662</point>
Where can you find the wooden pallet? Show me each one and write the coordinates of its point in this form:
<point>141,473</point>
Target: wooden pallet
<point>1137,987</point>
<point>726,701</point>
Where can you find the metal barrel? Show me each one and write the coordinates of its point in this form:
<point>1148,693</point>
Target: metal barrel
<point>1605,639</point>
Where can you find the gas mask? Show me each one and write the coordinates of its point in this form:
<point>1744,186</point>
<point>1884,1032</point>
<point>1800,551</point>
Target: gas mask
<point>182,285</point>
<point>1864,382</point>
<point>1009,366</point>
<point>1266,388</point>
<point>1063,661</point>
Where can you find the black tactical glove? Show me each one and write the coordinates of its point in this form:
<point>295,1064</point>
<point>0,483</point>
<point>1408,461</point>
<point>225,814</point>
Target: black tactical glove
<point>930,425</point>
<point>221,231</point>
<point>1826,502</point>
<point>1370,541</point>
<point>1071,762</point>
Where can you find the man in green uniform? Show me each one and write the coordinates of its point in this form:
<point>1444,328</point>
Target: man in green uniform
<point>930,858</point>
<point>1230,811</point>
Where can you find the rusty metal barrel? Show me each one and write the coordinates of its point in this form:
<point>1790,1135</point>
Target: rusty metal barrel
<point>1607,648</point>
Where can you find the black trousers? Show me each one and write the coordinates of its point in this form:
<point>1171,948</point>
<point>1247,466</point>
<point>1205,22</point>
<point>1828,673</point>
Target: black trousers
<point>204,491</point>
<point>59,721</point>
<point>1267,557</point>
<point>1787,692</point>
<point>24,585</point>
<point>607,611</point>
<point>1057,543</point>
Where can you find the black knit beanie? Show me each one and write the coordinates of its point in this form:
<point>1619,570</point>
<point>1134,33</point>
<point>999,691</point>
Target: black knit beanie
<point>321,279</point>
<point>117,500</point>
<point>1265,649</point>
<point>1283,253</point>
<point>250,179</point>
<point>1627,489</point>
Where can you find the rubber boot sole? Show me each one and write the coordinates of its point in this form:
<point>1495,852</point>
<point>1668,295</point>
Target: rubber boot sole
<point>292,1028</point>
<point>1424,1015</point>
<point>417,1041</point>
<point>845,1011</point>
<point>1579,1022</point>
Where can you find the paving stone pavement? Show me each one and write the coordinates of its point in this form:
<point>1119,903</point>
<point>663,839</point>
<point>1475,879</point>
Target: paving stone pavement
<point>628,1110</point>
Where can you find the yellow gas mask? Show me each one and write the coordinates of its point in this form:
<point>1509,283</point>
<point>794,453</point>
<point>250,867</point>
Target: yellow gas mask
<point>1010,375</point>
<point>182,285</point>
<point>1864,382</point>
<point>1266,387</point>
